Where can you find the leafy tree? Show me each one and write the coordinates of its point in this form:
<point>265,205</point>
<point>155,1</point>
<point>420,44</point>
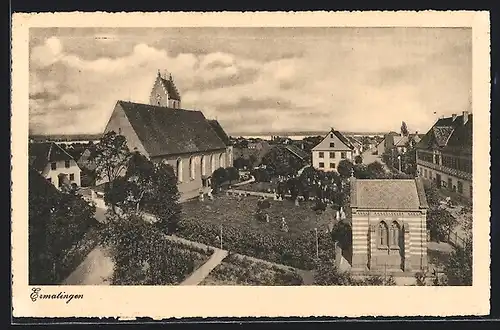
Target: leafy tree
<point>328,274</point>
<point>458,269</point>
<point>111,158</point>
<point>219,176</point>
<point>361,171</point>
<point>232,174</point>
<point>141,253</point>
<point>252,160</point>
<point>342,233</point>
<point>376,170</point>
<point>432,194</point>
<point>57,221</point>
<point>280,160</point>
<point>440,222</point>
<point>241,163</point>
<point>261,175</point>
<point>404,129</point>
<point>345,167</point>
<point>358,159</point>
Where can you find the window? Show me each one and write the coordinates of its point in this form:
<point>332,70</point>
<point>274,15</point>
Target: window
<point>179,170</point>
<point>425,173</point>
<point>395,234</point>
<point>222,161</point>
<point>460,187</point>
<point>53,165</point>
<point>212,164</point>
<point>321,154</point>
<point>66,163</point>
<point>191,168</point>
<point>332,155</point>
<point>321,165</point>
<point>332,145</point>
<point>72,177</point>
<point>332,165</point>
<point>383,234</point>
<point>331,135</point>
<point>49,179</point>
<point>342,155</point>
<point>203,165</point>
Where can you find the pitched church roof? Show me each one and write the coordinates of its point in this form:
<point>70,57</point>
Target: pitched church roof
<point>42,153</point>
<point>165,131</point>
<point>220,131</point>
<point>388,194</point>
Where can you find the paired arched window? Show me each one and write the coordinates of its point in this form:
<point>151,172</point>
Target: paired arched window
<point>192,168</point>
<point>179,169</point>
<point>383,234</point>
<point>222,161</point>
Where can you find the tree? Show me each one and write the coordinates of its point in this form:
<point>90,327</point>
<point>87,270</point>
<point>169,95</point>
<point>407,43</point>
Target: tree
<point>328,274</point>
<point>252,160</point>
<point>361,171</point>
<point>111,158</point>
<point>458,269</point>
<point>57,221</point>
<point>345,167</point>
<point>440,222</point>
<point>241,163</point>
<point>280,160</point>
<point>404,129</point>
<point>232,174</point>
<point>342,233</point>
<point>358,159</point>
<point>141,253</point>
<point>431,194</point>
<point>219,176</point>
<point>376,170</point>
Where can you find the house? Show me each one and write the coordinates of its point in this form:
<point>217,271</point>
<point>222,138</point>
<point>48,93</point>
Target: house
<point>380,148</point>
<point>358,145</point>
<point>331,150</point>
<point>54,164</point>
<point>298,153</point>
<point>444,154</point>
<point>163,132</point>
<point>389,233</point>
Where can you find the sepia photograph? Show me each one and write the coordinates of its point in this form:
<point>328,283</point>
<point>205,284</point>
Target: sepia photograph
<point>245,156</point>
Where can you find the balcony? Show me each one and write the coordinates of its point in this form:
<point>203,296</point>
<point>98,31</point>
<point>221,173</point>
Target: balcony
<point>446,170</point>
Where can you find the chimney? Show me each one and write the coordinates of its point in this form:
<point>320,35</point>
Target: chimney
<point>465,116</point>
<point>453,117</point>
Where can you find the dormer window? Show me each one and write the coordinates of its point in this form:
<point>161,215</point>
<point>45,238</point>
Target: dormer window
<point>332,145</point>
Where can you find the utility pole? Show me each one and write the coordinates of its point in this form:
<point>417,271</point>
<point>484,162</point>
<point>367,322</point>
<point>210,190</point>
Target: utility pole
<point>399,158</point>
<point>221,236</point>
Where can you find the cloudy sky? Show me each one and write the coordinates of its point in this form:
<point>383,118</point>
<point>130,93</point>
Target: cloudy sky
<point>254,79</point>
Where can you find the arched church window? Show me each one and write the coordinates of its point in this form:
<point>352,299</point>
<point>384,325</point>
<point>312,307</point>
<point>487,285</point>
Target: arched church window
<point>383,234</point>
<point>192,168</point>
<point>395,233</point>
<point>212,164</point>
<point>203,165</point>
<point>179,170</point>
<point>221,161</point>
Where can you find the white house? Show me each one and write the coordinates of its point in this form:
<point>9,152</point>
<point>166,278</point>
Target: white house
<point>334,147</point>
<point>54,164</point>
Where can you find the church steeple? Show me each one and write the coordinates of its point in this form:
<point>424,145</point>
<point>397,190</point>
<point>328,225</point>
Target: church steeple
<point>164,92</point>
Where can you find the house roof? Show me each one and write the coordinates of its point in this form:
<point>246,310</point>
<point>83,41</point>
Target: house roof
<point>400,141</point>
<point>165,131</point>
<point>388,194</point>
<point>220,131</point>
<point>169,86</point>
<point>347,144</point>
<point>42,153</point>
<point>297,151</point>
<point>449,133</point>
<point>39,186</point>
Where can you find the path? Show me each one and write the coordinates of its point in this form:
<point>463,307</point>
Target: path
<point>96,269</point>
<point>199,275</point>
<point>369,157</point>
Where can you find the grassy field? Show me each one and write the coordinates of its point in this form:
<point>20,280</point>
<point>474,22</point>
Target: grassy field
<point>258,186</point>
<point>228,210</point>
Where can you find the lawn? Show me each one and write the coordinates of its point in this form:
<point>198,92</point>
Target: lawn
<point>242,232</point>
<point>237,271</point>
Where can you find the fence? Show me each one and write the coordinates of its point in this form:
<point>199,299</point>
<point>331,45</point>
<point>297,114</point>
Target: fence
<point>455,239</point>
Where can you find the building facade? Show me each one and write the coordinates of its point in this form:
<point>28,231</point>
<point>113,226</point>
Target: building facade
<point>334,147</point>
<point>444,154</point>
<point>193,145</point>
<point>389,233</point>
<point>54,164</point>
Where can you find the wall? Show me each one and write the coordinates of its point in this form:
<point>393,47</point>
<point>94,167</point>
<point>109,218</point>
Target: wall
<point>368,256</point>
<point>158,89</point>
<point>53,174</point>
<point>431,176</point>
<point>327,160</point>
<point>189,187</point>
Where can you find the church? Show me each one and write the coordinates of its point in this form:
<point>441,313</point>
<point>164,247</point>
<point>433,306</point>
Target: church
<point>389,220</point>
<point>164,132</point>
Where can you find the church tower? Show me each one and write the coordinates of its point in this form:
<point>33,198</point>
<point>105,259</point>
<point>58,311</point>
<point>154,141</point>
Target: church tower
<point>165,93</point>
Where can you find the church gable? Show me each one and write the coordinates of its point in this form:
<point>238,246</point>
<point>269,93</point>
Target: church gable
<point>164,93</point>
<point>333,141</point>
<point>120,124</point>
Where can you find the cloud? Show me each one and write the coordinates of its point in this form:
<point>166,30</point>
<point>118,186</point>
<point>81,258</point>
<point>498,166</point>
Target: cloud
<point>353,79</point>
